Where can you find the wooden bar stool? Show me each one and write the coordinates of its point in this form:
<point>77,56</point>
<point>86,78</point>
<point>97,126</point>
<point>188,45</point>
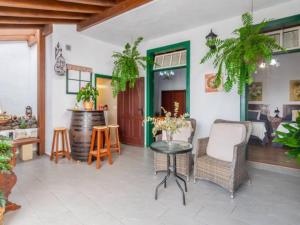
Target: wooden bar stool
<point>65,151</point>
<point>116,145</point>
<point>101,150</point>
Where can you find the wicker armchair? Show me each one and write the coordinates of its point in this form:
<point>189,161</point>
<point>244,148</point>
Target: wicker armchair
<point>183,161</point>
<point>222,157</point>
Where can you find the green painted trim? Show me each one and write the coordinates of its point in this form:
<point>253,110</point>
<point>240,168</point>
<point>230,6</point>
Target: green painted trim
<point>97,75</point>
<point>272,26</point>
<point>282,23</point>
<point>150,81</point>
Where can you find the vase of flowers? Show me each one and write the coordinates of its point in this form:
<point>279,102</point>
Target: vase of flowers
<point>170,124</point>
<point>87,95</point>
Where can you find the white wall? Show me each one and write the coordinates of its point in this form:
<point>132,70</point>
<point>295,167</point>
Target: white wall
<point>178,82</point>
<point>206,107</point>
<point>276,82</point>
<point>18,77</point>
<point>84,52</point>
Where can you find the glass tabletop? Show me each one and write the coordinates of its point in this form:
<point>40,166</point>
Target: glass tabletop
<point>175,147</point>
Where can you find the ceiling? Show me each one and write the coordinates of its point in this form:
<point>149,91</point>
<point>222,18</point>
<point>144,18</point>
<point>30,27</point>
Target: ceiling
<point>42,13</point>
<point>162,17</point>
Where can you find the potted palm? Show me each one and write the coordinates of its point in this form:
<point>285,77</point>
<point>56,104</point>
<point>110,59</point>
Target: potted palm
<point>87,95</point>
<point>7,177</point>
<point>2,207</point>
<point>126,67</point>
<point>239,56</point>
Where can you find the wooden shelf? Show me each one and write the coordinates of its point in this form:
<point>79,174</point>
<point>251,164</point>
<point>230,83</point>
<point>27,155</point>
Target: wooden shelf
<point>25,141</point>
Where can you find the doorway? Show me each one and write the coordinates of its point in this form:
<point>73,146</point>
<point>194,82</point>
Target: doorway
<point>105,101</point>
<point>167,73</point>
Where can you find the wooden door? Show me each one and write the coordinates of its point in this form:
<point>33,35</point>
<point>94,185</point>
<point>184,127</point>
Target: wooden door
<point>131,114</point>
<point>169,97</point>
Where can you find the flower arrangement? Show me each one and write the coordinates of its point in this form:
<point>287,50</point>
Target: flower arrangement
<point>170,124</point>
<point>88,95</point>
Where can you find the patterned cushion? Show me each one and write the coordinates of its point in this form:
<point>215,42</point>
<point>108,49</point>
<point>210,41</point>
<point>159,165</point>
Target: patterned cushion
<point>222,139</point>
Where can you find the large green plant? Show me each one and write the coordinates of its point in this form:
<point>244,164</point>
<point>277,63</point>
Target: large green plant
<point>5,154</point>
<point>87,93</point>
<point>126,67</point>
<point>238,57</point>
<point>291,139</point>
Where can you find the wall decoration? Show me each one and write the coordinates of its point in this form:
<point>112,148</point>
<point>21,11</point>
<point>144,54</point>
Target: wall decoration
<point>255,91</point>
<point>295,90</point>
<point>210,83</point>
<point>60,64</point>
<point>77,77</point>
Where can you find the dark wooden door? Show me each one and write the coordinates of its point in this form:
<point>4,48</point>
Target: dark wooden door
<point>169,97</point>
<point>131,114</point>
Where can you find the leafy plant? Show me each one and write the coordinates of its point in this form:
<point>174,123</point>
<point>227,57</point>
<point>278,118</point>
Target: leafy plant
<point>290,139</point>
<point>126,67</point>
<point>23,124</point>
<point>239,56</point>
<point>87,93</point>
<point>2,200</point>
<point>5,154</point>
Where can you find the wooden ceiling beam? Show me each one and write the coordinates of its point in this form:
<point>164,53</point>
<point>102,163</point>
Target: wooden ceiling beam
<point>107,3</point>
<point>120,8</point>
<point>52,5</point>
<point>20,20</point>
<point>15,12</point>
<point>14,37</point>
<point>22,26</point>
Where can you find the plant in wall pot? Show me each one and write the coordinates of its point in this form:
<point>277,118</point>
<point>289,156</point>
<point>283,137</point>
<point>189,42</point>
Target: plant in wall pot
<point>240,55</point>
<point>126,67</point>
<point>7,177</point>
<point>87,95</point>
<point>291,139</point>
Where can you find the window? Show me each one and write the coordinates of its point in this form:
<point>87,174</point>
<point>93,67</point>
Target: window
<point>287,38</point>
<point>77,77</point>
<point>170,60</point>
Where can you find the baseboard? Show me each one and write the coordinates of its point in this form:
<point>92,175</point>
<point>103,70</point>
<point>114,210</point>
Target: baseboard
<point>275,169</point>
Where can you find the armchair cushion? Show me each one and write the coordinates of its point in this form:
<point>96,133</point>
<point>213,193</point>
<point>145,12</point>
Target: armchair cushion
<point>183,134</point>
<point>223,138</point>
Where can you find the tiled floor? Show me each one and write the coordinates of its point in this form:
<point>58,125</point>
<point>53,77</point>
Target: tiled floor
<point>123,194</point>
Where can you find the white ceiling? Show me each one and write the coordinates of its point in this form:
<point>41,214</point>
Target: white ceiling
<point>162,17</point>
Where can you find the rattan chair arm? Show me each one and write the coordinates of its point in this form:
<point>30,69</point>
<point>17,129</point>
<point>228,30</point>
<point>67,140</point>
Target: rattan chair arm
<point>201,148</point>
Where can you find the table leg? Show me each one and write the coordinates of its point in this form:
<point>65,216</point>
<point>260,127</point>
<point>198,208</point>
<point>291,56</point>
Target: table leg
<point>176,176</point>
<point>164,181</point>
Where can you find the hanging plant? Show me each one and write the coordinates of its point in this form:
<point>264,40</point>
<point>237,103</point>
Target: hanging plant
<point>239,56</point>
<point>126,67</point>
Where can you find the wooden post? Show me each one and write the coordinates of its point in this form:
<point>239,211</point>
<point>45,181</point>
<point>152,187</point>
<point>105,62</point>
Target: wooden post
<point>41,90</point>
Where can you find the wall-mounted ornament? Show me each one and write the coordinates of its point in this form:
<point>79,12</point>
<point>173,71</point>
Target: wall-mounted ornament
<point>60,64</point>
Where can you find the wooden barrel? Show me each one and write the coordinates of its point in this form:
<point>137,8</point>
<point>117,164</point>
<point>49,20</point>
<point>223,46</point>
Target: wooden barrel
<point>81,132</point>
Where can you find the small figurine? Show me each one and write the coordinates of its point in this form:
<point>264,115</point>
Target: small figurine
<point>28,112</point>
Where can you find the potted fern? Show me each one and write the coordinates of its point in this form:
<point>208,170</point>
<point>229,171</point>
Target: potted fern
<point>291,139</point>
<point>239,56</point>
<point>2,207</point>
<point>126,67</point>
<point>7,177</point>
<point>87,95</point>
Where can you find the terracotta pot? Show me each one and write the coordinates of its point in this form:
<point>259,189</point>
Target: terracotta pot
<point>1,215</point>
<point>7,182</point>
<point>88,105</point>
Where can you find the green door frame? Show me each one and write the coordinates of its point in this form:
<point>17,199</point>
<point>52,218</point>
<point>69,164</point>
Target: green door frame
<point>97,75</point>
<point>186,45</point>
<point>272,26</point>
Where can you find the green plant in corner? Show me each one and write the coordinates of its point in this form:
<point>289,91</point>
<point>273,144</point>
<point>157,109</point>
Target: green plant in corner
<point>126,67</point>
<point>291,139</point>
<point>5,155</point>
<point>239,56</point>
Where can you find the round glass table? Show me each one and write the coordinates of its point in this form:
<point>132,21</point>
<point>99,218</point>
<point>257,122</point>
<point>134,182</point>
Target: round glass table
<point>172,149</point>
